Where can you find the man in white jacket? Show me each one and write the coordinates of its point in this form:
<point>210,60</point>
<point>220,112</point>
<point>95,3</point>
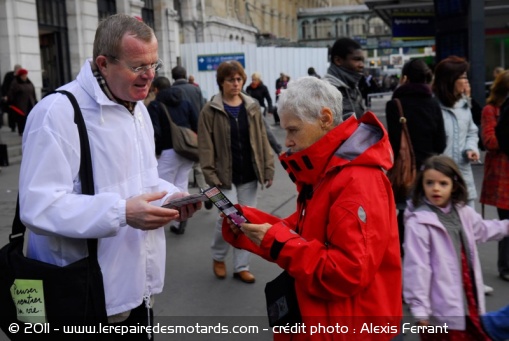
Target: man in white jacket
<point>124,213</point>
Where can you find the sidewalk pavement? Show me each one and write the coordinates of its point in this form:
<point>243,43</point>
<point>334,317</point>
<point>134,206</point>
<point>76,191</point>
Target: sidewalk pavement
<point>193,295</point>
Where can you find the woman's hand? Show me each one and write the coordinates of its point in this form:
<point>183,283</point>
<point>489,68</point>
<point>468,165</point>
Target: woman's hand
<point>255,232</point>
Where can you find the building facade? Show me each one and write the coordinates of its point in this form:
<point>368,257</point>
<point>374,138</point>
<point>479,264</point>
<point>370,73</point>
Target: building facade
<point>52,38</point>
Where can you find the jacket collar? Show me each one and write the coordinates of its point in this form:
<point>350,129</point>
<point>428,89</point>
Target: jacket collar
<point>249,102</point>
<point>364,142</point>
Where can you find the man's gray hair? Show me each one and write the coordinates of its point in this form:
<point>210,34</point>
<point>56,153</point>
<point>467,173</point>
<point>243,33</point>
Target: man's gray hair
<point>307,96</point>
<point>111,30</point>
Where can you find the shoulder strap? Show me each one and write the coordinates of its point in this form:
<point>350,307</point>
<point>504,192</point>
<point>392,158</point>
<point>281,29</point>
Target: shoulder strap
<point>86,173</point>
<point>163,106</point>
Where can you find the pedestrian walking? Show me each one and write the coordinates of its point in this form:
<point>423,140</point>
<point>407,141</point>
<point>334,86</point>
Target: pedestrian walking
<point>235,156</point>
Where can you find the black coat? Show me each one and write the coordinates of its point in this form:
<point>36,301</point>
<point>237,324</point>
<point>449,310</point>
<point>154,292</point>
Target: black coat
<point>181,111</point>
<point>424,120</point>
<point>260,93</point>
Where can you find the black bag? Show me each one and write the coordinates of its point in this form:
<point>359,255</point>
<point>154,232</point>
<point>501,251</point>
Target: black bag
<point>183,139</point>
<point>282,304</point>
<point>72,295</point>
<point>502,128</point>
<point>4,157</point>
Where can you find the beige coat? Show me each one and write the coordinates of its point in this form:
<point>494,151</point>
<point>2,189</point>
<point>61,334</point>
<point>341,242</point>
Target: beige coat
<point>215,146</point>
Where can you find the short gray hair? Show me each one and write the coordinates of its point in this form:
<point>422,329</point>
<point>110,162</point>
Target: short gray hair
<point>307,96</point>
<point>111,30</point>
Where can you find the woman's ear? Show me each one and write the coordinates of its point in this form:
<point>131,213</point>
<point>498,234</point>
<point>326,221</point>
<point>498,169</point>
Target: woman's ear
<point>326,118</point>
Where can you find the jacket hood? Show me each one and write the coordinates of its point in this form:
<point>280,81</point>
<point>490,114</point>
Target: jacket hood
<point>89,83</point>
<point>172,96</point>
<point>363,142</point>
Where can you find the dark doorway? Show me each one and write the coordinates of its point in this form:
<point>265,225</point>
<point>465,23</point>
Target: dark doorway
<point>53,43</point>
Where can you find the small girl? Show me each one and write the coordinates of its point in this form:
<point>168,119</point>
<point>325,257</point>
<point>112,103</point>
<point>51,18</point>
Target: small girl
<point>441,270</point>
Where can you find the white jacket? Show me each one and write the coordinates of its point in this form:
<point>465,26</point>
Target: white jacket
<point>124,165</point>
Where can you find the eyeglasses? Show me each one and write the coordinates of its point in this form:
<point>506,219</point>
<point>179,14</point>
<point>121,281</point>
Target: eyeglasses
<point>233,80</point>
<point>140,70</point>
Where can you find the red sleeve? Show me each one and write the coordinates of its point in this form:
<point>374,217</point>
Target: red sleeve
<point>489,120</point>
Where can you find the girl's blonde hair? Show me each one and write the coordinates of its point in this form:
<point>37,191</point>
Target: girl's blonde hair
<point>448,167</point>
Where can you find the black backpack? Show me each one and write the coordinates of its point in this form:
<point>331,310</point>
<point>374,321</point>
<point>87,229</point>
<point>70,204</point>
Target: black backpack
<point>502,127</point>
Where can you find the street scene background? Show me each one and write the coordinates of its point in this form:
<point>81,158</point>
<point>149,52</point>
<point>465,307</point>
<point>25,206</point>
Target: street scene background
<point>193,295</point>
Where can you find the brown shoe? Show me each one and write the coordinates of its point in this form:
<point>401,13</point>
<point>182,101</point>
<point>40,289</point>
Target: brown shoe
<point>245,276</point>
<point>219,269</point>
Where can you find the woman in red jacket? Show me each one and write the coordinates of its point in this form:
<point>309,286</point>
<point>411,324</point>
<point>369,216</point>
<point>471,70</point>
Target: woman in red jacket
<point>495,185</point>
<point>341,245</point>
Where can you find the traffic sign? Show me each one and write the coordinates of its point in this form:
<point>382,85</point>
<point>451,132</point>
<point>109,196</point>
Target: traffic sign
<point>210,62</point>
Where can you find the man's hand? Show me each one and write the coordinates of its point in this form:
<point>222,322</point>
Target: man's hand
<point>140,214</point>
<point>185,211</point>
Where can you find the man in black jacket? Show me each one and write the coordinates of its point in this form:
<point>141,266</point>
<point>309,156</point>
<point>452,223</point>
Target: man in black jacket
<point>6,84</point>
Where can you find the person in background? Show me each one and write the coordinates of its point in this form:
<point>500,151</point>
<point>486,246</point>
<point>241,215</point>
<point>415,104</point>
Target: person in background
<point>158,84</point>
<point>495,185</point>
<point>451,86</point>
<point>452,89</point>
<point>171,166</point>
<point>344,196</point>
<point>259,91</point>
<point>125,213</point>
<point>281,84</point>
<point>235,156</point>
<point>191,93</point>
<point>497,71</point>
<point>21,98</point>
<point>6,84</point>
<point>443,278</point>
<point>345,72</point>
<point>312,72</point>
<point>423,119</point>
<point>190,79</point>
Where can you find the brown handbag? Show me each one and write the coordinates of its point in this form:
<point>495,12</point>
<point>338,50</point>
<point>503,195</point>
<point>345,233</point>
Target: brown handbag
<point>403,172</point>
<point>183,139</point>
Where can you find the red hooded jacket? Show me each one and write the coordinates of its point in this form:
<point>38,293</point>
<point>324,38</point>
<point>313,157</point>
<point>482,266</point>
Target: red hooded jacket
<point>345,255</point>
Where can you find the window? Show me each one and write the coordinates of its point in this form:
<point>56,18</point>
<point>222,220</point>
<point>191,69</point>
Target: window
<point>147,13</point>
<point>356,26</point>
<point>323,28</point>
<point>338,27</point>
<point>376,26</point>
<point>105,8</point>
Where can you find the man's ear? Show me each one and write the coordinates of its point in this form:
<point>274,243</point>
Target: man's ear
<point>337,60</point>
<point>102,63</point>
